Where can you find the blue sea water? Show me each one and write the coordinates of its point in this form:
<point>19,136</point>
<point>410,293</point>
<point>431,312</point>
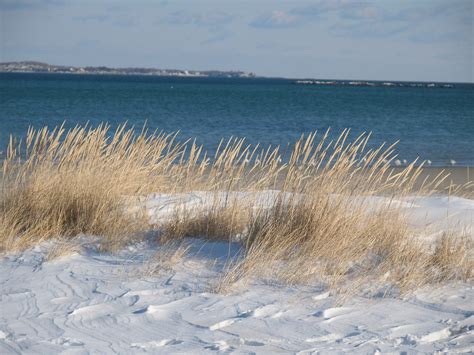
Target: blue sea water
<point>432,123</point>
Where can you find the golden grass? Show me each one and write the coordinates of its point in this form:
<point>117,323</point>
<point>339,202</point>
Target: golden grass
<point>319,223</point>
<point>219,221</point>
<point>60,185</point>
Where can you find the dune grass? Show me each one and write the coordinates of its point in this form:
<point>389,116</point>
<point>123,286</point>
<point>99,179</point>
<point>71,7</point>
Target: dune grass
<point>60,184</point>
<point>320,223</point>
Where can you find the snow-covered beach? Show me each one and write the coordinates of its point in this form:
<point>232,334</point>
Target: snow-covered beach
<point>91,302</point>
<point>248,177</point>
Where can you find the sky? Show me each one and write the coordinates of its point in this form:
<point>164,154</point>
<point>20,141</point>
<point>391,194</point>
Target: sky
<point>427,40</point>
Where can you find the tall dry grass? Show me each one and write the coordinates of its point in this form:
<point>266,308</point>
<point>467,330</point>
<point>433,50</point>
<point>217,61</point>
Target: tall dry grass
<point>59,184</point>
<point>316,216</point>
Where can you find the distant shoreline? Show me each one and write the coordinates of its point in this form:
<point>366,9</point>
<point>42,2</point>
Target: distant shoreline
<point>33,67</point>
<point>39,67</point>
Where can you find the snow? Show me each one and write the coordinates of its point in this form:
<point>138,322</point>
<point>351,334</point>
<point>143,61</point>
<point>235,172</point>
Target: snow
<point>92,302</point>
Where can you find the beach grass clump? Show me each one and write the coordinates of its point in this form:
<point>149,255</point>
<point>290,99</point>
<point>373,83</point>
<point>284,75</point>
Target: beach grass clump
<point>326,210</point>
<point>60,184</point>
<point>219,221</point>
<point>346,247</point>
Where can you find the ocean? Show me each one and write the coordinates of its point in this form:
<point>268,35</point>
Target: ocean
<point>435,124</point>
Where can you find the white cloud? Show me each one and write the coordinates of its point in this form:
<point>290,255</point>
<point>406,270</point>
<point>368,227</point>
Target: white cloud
<point>277,19</point>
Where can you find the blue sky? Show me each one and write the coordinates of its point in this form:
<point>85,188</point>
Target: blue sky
<point>339,39</point>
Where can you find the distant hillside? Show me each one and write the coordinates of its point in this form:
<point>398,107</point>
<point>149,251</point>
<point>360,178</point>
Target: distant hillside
<point>39,67</point>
